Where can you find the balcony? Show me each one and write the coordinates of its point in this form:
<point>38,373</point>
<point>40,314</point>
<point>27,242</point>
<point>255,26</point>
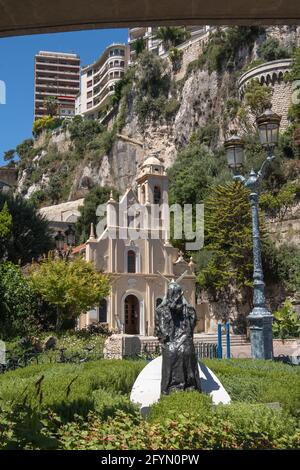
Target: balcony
<point>61,79</point>
<point>56,64</point>
<point>56,86</point>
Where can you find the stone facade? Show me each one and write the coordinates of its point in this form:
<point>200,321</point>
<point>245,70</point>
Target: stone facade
<point>272,74</point>
<point>138,267</point>
<point>119,346</point>
<point>8,178</point>
<point>286,231</point>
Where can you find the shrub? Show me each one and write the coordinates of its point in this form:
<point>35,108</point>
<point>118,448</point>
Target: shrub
<point>271,49</point>
<point>222,49</point>
<point>259,382</point>
<point>175,56</point>
<point>5,225</point>
<point>286,323</point>
<point>170,406</point>
<point>86,406</point>
<point>279,203</point>
<point>45,123</point>
<point>258,97</point>
<point>240,426</point>
<point>68,389</point>
<point>18,304</point>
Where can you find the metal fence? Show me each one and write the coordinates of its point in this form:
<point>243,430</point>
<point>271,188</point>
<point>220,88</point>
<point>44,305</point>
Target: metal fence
<point>203,350</point>
<point>60,355</point>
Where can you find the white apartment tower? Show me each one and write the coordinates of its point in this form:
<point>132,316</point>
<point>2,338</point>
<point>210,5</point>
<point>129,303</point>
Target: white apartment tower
<point>56,74</point>
<point>98,81</point>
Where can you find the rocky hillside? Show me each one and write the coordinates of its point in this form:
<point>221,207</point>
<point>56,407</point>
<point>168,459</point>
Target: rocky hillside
<point>158,106</point>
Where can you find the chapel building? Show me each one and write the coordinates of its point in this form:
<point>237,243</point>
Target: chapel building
<point>139,266</point>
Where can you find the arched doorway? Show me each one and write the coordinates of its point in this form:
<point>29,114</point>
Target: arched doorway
<point>103,311</point>
<point>132,315</point>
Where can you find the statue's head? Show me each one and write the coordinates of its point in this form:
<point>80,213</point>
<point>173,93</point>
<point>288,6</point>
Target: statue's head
<point>175,294</point>
<point>174,290</point>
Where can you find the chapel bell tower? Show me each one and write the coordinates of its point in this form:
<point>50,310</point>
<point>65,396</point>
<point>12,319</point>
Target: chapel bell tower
<point>152,183</point>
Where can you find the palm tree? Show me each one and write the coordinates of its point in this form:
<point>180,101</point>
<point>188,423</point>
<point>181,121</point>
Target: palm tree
<point>139,45</point>
<point>171,36</point>
<point>51,105</point>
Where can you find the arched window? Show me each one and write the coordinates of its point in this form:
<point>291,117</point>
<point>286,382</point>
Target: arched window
<point>143,195</point>
<point>157,194</point>
<point>131,258</point>
<point>103,311</point>
<point>158,301</point>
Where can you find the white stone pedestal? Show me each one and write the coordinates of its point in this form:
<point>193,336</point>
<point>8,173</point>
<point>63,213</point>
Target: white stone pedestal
<point>146,389</point>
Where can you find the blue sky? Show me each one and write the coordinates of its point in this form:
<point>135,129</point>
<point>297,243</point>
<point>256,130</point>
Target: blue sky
<point>17,69</point>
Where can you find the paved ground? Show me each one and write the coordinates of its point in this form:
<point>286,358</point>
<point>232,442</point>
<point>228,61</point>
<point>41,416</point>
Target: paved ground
<point>286,348</point>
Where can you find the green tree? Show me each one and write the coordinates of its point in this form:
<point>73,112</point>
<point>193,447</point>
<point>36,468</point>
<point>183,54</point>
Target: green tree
<point>175,56</point>
<point>25,150</point>
<point>9,155</point>
<point>96,196</point>
<point>5,223</point>
<point>83,131</point>
<point>286,323</point>
<point>18,303</point>
<point>139,45</point>
<point>271,49</point>
<point>228,235</point>
<point>51,104</point>
<point>72,287</point>
<point>171,35</point>
<point>258,97</point>
<point>193,173</point>
<point>30,234</point>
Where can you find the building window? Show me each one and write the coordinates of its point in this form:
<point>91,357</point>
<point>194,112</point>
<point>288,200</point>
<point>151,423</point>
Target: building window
<point>143,195</point>
<point>158,302</point>
<point>103,311</point>
<point>157,194</point>
<point>89,94</point>
<point>89,83</point>
<point>131,257</point>
<point>89,105</point>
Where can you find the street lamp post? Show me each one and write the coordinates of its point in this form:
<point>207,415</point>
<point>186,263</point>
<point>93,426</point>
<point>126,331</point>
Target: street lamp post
<point>260,319</point>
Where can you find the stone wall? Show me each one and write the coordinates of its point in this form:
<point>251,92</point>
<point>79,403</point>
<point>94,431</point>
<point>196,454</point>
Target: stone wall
<point>286,231</point>
<point>287,35</point>
<point>118,346</point>
<point>281,101</point>
<point>8,176</point>
<point>191,52</point>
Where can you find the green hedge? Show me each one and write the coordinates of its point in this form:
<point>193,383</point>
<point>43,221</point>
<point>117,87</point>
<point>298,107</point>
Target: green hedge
<point>86,406</point>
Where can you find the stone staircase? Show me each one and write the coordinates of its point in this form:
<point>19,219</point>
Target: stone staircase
<point>235,340</point>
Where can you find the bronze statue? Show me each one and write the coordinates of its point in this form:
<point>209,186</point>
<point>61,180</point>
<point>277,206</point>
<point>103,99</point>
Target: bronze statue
<point>175,321</point>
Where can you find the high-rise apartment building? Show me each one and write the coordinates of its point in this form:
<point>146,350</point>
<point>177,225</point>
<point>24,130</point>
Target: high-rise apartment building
<point>56,74</point>
<point>98,81</point>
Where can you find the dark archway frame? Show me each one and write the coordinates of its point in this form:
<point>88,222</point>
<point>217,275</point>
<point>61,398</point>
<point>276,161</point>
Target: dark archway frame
<point>42,16</point>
